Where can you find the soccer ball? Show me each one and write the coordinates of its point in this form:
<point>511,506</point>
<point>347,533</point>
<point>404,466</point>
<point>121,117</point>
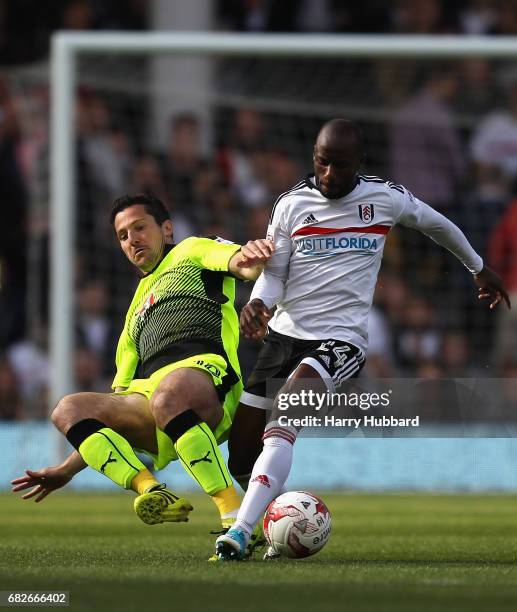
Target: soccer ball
<point>297,524</point>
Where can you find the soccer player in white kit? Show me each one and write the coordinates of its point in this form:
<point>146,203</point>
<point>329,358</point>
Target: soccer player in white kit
<point>329,233</point>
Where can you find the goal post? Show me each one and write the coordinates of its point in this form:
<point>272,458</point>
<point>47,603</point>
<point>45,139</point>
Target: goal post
<point>68,47</point>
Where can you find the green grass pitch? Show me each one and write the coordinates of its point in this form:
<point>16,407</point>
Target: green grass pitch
<point>386,553</point>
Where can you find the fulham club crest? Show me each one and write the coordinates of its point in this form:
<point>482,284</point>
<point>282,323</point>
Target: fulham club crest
<point>366,212</point>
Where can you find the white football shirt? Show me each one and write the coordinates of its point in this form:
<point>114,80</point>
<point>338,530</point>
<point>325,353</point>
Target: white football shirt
<point>328,253</point>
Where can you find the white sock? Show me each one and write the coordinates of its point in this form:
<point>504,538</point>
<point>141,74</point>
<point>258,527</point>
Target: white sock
<point>268,476</point>
<point>232,514</point>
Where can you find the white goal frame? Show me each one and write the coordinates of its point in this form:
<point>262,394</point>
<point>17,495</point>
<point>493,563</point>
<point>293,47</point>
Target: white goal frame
<point>67,46</point>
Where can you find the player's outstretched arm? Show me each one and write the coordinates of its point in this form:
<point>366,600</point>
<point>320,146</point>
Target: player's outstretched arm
<point>249,261</point>
<point>48,479</point>
<point>491,287</point>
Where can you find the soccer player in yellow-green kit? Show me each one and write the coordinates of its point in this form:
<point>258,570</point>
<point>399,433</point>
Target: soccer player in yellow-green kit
<point>178,382</point>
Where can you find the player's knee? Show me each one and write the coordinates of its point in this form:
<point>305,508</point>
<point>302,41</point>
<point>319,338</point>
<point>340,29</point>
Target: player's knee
<point>163,408</point>
<point>64,414</point>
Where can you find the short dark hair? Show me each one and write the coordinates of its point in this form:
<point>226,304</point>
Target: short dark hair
<point>153,206</point>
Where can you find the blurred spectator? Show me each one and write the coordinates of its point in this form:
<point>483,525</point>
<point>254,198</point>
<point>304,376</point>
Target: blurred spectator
<point>243,160</point>
<point>208,181</point>
<point>315,16</point>
<point>429,370</point>
<point>380,352</point>
<point>34,114</point>
<point>281,173</point>
<point>95,330</point>
<point>478,17</point>
<point>222,211</point>
<point>88,371</point>
<point>455,355</point>
<point>147,178</point>
<point>285,16</point>
<point>426,158</point>
<point>257,221</point>
<point>502,255</point>
<point>29,361</point>
<point>183,161</point>
<point>418,339</point>
<point>479,93</point>
<point>106,150</point>
<point>425,147</point>
<point>494,143</point>
<point>104,164</point>
<point>10,400</point>
<point>391,296</point>
<point>486,195</point>
<point>243,16</point>
<point>420,17</point>
<point>33,156</point>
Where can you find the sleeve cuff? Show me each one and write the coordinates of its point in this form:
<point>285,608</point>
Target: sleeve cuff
<point>476,269</point>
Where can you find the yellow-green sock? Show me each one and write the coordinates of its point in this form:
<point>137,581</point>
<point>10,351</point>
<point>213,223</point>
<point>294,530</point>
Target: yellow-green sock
<point>198,452</point>
<point>110,454</point>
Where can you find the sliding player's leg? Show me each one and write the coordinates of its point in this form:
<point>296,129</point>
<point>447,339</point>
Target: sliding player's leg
<point>194,405</point>
<point>104,429</point>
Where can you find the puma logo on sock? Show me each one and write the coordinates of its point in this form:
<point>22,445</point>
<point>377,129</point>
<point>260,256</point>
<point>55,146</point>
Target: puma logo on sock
<point>205,458</point>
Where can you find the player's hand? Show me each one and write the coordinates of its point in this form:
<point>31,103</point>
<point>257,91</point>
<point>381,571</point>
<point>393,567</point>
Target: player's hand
<point>43,481</point>
<point>255,253</point>
<point>254,319</point>
<point>491,286</point>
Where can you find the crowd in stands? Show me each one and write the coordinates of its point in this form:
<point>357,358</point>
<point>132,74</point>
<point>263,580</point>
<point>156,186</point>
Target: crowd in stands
<point>448,133</point>
<point>371,16</point>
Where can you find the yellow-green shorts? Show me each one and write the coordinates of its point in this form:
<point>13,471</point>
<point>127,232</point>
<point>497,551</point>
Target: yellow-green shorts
<point>213,364</point>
